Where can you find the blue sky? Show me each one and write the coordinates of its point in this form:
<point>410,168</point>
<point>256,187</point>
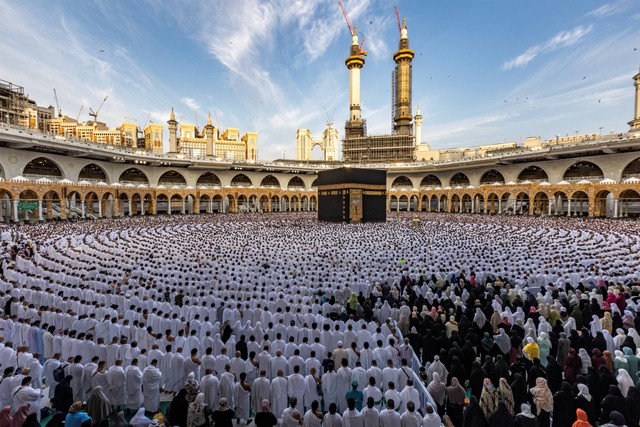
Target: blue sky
<point>485,71</point>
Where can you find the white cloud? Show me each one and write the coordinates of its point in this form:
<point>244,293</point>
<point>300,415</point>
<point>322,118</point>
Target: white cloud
<point>605,10</point>
<point>560,40</point>
<point>191,103</point>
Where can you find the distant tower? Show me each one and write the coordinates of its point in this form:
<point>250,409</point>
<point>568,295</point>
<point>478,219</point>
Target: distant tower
<point>208,136</point>
<point>330,138</point>
<point>173,133</point>
<point>402,85</point>
<point>355,125</point>
<point>635,123</point>
<point>418,119</point>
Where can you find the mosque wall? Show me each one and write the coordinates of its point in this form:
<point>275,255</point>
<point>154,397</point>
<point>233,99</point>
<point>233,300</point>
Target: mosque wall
<point>490,188</point>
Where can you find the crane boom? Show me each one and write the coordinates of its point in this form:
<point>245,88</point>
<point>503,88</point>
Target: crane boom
<point>395,7</point>
<point>55,95</point>
<point>346,17</point>
<point>94,114</point>
<point>79,112</point>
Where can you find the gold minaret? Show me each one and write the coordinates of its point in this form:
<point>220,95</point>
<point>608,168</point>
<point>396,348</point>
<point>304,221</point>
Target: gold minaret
<point>402,85</point>
<point>355,62</point>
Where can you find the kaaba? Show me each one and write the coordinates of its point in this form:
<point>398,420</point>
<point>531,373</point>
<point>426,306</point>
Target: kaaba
<point>352,195</point>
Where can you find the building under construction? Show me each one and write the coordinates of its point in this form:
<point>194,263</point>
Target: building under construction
<point>13,102</point>
<point>400,146</point>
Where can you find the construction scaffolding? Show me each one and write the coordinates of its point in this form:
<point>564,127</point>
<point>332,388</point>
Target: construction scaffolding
<point>380,148</point>
<point>13,102</point>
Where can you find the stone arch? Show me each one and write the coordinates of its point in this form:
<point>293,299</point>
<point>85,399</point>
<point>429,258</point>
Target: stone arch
<point>467,205</point>
<point>603,204</point>
<point>394,205</point>
<point>52,205</point>
<point>304,203</point>
<point>91,202</point>
<point>284,203</point>
<point>477,203</point>
<point>107,205</point>
<point>444,203</point>
<point>459,179</point>
<point>43,167</point>
<point>217,202</point>
<point>176,203</point>
<point>632,170</point>
<point>533,173</point>
<point>522,203</point>
<point>264,203</point>
<point>295,203</point>
<point>629,203</point>
<point>296,183</point>
<point>493,204</point>
<point>171,178</point>
<point>134,176</point>
<point>579,203</point>
<point>313,202</point>
<point>205,203</point>
<point>93,173</point>
<point>491,176</point>
<point>583,170</point>
<point>541,204</point>
<point>456,203</point>
<point>402,182</point>
<point>275,203</point>
<point>241,180</point>
<point>430,181</point>
<point>559,203</point>
<point>314,184</point>
<point>270,181</point>
<point>403,203</point>
<point>208,179</point>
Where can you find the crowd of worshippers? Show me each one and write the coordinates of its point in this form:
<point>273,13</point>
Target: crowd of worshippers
<point>279,352</point>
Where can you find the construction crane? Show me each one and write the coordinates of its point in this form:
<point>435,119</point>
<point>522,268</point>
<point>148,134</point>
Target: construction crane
<point>346,17</point>
<point>352,28</point>
<point>55,95</point>
<point>395,7</point>
<point>79,112</point>
<point>94,114</point>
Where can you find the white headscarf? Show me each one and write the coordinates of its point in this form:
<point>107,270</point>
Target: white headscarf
<point>583,391</point>
<point>139,419</point>
<point>596,325</point>
<point>624,381</point>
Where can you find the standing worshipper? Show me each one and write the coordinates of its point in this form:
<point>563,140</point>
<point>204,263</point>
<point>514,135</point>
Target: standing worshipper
<point>24,394</point>
<point>370,414</point>
<point>389,417</point>
<point>178,409</point>
<point>473,416</point>
<point>242,394</point>
<point>133,386</point>
<point>198,413</point>
<point>501,417</point>
<point>76,416</point>
<point>98,407</point>
<point>312,418</point>
<point>117,380</point>
<point>151,381</point>
<point>525,418</point>
<point>543,401</point>
<point>563,406</point>
<point>279,394</point>
<point>431,418</point>
<point>76,370</point>
<point>223,416</point>
<point>140,419</point>
<point>329,387</point>
<point>260,391</point>
<point>265,417</point>
<point>584,401</point>
<point>333,419</point>
<point>291,417</point>
<point>210,386</point>
<point>63,397</point>
<point>410,418</point>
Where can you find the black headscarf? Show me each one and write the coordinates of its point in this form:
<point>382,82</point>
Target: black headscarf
<point>501,417</point>
<point>473,416</point>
